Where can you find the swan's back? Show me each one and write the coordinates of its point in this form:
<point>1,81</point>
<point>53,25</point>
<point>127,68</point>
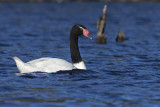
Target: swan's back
<point>49,65</point>
<point>52,64</point>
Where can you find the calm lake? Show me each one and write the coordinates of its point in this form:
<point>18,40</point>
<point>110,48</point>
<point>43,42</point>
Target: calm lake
<point>125,74</point>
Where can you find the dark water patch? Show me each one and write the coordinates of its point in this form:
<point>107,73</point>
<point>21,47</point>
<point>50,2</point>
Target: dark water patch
<point>30,76</point>
<point>27,99</point>
<point>2,52</point>
<point>4,45</point>
<point>30,35</point>
<point>6,89</point>
<point>34,75</point>
<point>143,20</point>
<point>119,72</point>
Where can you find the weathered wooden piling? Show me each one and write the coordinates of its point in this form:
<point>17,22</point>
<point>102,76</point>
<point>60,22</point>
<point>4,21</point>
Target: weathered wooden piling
<point>121,37</point>
<point>101,37</point>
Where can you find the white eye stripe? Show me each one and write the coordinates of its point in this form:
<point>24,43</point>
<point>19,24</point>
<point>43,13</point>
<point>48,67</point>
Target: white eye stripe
<point>81,27</point>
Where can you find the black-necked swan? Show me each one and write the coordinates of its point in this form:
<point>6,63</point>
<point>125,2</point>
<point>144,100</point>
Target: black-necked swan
<point>52,65</point>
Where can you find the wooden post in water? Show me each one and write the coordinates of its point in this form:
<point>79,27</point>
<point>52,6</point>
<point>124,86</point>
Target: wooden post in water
<point>101,37</point>
<point>121,37</point>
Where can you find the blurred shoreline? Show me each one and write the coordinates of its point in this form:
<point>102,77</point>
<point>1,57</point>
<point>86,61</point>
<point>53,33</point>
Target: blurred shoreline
<point>79,0</point>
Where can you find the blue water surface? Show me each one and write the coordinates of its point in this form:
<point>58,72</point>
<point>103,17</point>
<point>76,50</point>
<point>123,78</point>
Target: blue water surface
<point>123,74</point>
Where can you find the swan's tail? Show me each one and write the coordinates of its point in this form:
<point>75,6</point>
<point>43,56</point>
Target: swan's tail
<point>25,67</point>
<point>20,64</point>
<point>17,60</point>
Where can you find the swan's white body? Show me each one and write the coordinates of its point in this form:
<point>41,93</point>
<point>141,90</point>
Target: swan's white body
<point>48,65</point>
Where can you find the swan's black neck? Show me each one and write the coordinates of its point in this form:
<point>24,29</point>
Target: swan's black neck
<point>75,54</point>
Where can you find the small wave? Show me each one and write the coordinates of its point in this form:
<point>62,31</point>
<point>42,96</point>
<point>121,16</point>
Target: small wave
<point>30,34</point>
<point>5,45</point>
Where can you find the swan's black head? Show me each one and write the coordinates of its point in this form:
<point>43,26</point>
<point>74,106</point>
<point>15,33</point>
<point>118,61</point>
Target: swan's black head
<point>79,29</point>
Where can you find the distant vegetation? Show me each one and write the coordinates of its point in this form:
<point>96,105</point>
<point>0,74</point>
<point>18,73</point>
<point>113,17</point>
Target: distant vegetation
<point>73,0</point>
